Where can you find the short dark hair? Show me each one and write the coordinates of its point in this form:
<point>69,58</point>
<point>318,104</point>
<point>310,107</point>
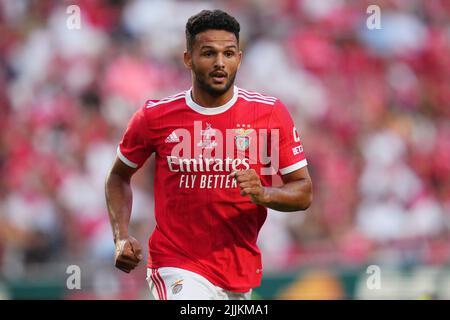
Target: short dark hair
<point>207,20</point>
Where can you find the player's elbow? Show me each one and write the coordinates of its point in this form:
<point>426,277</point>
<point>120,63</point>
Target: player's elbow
<point>307,203</point>
<point>307,197</point>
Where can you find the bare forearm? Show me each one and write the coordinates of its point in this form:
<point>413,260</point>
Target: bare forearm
<point>119,201</point>
<point>292,196</point>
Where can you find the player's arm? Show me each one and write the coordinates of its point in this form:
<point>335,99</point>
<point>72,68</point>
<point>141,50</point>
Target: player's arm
<point>119,200</point>
<point>295,194</point>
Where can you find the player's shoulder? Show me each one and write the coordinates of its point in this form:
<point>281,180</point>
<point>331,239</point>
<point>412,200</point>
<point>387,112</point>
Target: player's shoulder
<point>152,104</point>
<point>257,97</point>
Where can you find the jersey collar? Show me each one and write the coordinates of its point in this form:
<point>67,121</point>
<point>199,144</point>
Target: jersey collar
<point>211,111</point>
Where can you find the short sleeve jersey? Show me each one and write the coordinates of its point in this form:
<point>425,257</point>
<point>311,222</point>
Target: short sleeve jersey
<point>203,224</point>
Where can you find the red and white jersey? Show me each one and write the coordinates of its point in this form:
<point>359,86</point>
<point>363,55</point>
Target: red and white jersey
<point>203,224</point>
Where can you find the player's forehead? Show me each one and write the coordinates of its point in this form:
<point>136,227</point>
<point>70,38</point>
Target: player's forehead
<point>215,39</point>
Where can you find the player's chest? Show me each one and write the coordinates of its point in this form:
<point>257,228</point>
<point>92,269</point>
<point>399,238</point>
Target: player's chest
<point>216,136</point>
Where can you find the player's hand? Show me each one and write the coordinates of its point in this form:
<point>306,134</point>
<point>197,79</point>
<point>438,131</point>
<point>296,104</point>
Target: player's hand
<point>128,254</point>
<point>250,185</point>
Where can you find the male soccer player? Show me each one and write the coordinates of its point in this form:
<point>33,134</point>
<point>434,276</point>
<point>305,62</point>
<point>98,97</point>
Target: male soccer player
<point>216,147</point>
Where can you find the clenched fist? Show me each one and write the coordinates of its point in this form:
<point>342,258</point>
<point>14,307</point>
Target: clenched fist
<point>128,254</point>
<point>250,184</point>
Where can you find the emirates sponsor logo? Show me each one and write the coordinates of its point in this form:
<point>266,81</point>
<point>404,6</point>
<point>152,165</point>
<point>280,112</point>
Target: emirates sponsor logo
<point>177,164</point>
<point>206,158</point>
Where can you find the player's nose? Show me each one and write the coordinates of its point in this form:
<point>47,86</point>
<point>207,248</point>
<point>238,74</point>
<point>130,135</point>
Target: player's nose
<point>219,63</point>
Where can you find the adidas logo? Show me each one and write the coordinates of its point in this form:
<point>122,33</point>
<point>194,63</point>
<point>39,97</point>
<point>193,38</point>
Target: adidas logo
<point>172,138</point>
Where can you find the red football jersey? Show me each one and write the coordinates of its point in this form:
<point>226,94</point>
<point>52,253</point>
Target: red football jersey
<point>203,224</point>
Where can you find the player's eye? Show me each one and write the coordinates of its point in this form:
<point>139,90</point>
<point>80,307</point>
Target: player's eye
<point>229,54</point>
<point>207,53</point>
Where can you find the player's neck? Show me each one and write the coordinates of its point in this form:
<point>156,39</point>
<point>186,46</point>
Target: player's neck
<point>207,100</point>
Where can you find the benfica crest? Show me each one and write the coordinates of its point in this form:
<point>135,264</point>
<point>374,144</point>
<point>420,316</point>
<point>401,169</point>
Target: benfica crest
<point>177,286</point>
<point>242,139</point>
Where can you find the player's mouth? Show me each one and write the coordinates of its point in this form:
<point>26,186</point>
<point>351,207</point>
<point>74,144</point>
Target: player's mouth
<point>218,77</point>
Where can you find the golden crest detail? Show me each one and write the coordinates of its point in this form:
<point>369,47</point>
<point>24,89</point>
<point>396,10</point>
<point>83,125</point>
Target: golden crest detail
<point>242,138</point>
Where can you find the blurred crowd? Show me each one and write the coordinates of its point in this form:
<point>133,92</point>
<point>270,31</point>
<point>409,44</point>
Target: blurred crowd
<point>372,107</point>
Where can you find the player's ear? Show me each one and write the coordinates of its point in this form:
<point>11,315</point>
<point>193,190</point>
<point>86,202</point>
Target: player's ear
<point>240,58</point>
<point>187,59</point>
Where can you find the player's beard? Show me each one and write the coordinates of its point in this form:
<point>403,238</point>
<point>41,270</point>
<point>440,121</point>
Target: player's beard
<point>202,81</point>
